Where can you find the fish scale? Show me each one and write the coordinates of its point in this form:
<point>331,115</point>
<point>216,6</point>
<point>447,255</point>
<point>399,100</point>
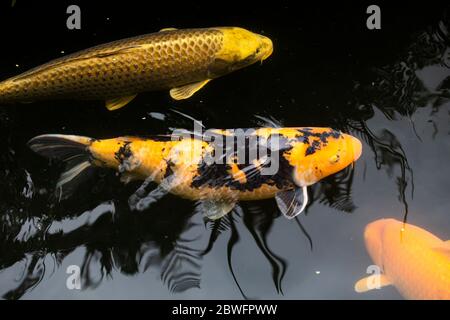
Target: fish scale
<point>160,60</point>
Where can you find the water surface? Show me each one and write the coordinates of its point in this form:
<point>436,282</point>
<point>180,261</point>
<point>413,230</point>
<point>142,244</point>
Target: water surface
<point>388,87</point>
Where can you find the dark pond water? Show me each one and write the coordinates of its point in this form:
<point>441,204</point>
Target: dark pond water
<point>388,87</point>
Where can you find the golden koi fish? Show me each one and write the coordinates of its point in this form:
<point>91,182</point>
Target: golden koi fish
<point>183,165</point>
<point>412,259</point>
<point>180,60</point>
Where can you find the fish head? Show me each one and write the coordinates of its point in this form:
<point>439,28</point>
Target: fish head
<point>240,48</point>
<point>374,234</point>
<point>320,152</point>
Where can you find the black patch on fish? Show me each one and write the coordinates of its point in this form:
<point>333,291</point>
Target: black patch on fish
<point>123,153</point>
<point>315,145</point>
<point>216,175</point>
<point>169,170</point>
<point>321,139</point>
<point>323,136</point>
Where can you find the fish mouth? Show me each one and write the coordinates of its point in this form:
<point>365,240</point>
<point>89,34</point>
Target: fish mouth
<point>354,146</point>
<point>266,48</point>
<point>357,148</point>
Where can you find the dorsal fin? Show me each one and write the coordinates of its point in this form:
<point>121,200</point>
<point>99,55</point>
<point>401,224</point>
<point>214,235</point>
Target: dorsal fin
<point>167,29</point>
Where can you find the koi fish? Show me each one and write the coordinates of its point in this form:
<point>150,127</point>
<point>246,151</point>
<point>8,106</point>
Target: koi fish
<point>412,259</point>
<point>182,61</point>
<point>183,166</point>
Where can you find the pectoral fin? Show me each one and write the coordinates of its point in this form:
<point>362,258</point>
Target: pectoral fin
<point>117,103</point>
<point>188,90</point>
<point>142,200</point>
<point>374,281</point>
<point>127,177</point>
<point>216,209</point>
<point>167,29</point>
<point>292,202</point>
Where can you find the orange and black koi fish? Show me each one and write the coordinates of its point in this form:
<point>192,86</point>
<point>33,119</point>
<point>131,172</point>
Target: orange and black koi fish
<point>183,166</point>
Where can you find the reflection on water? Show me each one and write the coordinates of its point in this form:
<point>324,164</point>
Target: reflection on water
<point>38,232</point>
<point>418,79</point>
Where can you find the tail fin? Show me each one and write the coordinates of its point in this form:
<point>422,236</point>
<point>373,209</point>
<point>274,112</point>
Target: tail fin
<point>73,150</point>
